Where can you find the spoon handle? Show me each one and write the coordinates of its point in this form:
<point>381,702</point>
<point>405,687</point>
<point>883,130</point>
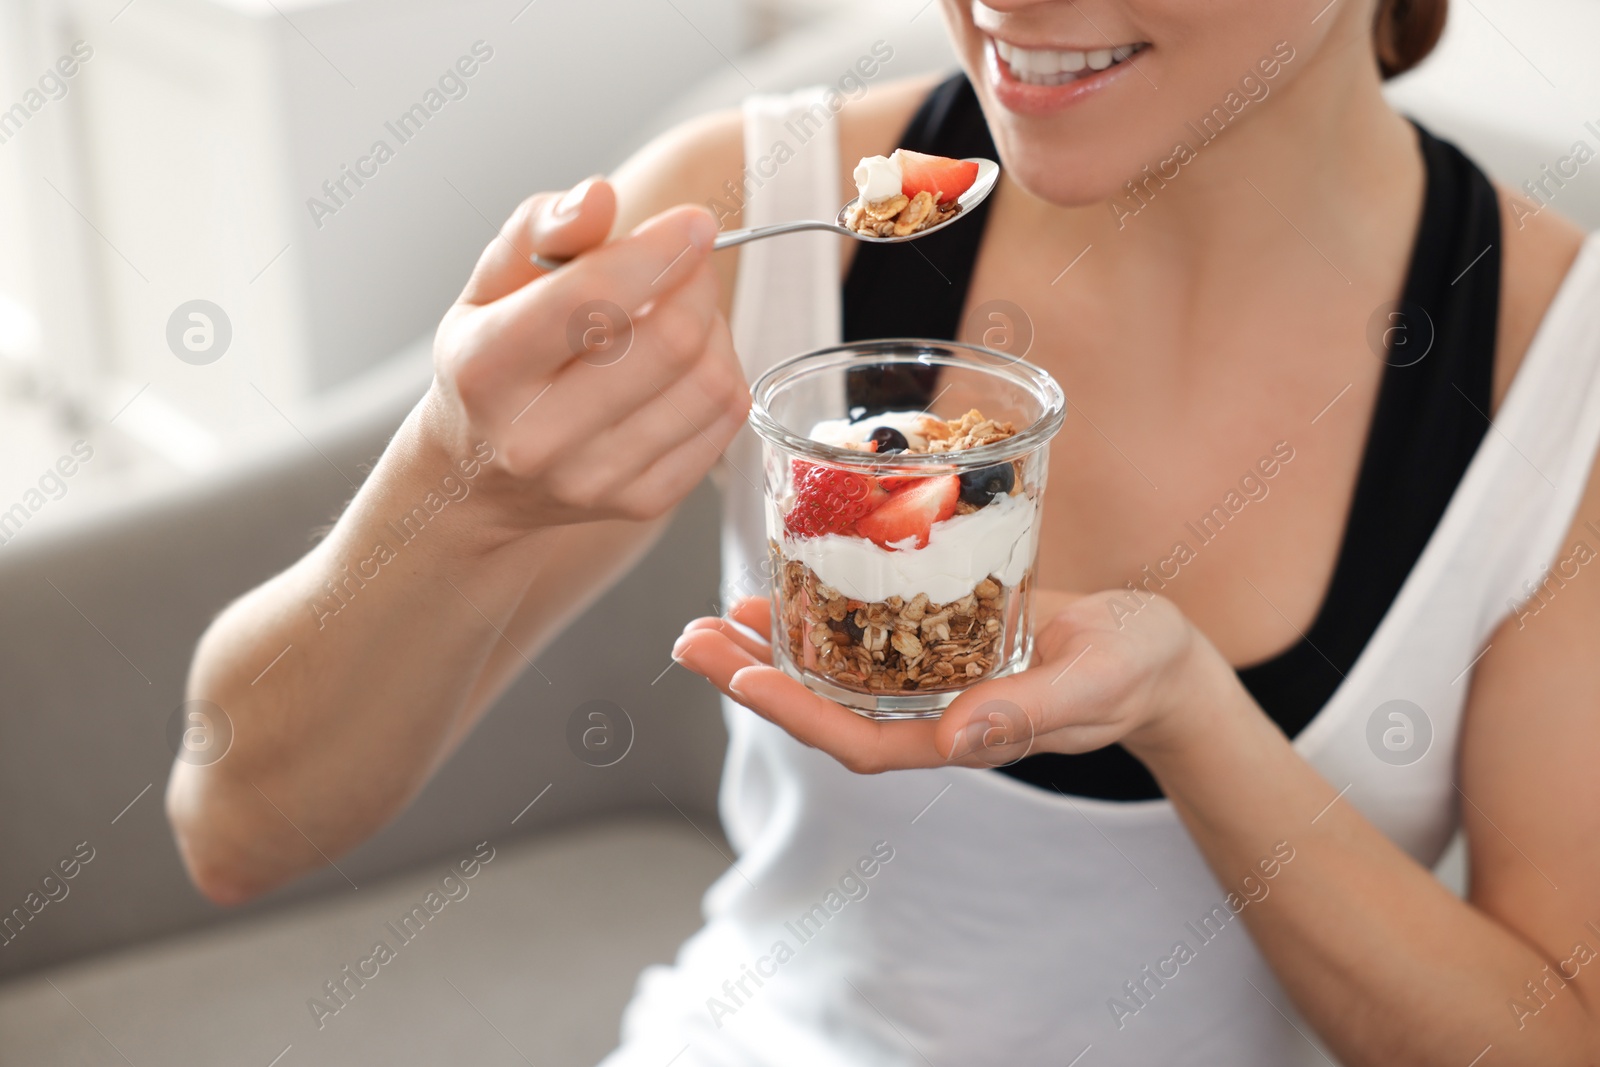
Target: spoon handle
<point>732,237</point>
<point>755,233</point>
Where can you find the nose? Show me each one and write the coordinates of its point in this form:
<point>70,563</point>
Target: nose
<point>999,8</point>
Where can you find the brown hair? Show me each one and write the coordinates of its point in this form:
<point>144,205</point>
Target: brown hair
<point>1405,31</point>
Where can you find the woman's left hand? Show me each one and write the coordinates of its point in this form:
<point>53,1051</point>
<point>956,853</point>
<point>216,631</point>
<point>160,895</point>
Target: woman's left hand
<point>1095,680</point>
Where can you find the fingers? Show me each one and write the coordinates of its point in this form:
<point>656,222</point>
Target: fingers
<point>746,625</point>
<point>736,665</point>
<point>992,723</point>
<point>754,612</point>
<point>987,726</point>
<point>643,448</point>
<point>529,327</point>
<point>1066,703</point>
<point>1076,700</point>
<point>505,263</point>
<point>672,477</point>
<point>714,655</point>
<point>609,441</point>
<point>863,745</point>
<point>664,345</point>
<point>759,650</point>
<point>555,225</point>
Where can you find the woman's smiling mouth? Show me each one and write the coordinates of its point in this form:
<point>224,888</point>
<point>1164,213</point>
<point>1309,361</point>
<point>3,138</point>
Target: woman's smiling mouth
<point>1052,66</point>
<point>1036,80</point>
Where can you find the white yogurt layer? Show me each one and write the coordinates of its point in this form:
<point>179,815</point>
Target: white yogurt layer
<point>877,178</point>
<point>843,432</point>
<point>962,551</point>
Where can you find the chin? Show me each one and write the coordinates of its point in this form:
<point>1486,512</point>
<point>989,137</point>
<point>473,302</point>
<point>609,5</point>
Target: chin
<point>1075,118</point>
<point>1082,175</point>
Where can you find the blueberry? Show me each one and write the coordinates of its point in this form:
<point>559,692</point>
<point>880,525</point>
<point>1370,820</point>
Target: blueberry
<point>889,440</point>
<point>981,486</point>
<point>856,633</point>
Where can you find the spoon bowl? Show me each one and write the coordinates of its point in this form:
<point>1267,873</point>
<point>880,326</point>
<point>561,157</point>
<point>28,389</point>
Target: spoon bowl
<point>982,186</point>
<point>977,192</point>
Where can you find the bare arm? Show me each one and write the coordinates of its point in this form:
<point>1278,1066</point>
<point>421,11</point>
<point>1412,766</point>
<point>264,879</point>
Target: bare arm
<point>1384,962</point>
<point>1389,966</point>
<point>522,486</point>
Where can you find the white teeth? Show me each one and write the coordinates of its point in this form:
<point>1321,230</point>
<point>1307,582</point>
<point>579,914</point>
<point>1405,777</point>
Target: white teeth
<point>1045,62</point>
<point>1049,66</point>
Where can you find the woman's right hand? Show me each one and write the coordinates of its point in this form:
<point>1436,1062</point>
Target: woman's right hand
<point>608,388</point>
<point>350,676</point>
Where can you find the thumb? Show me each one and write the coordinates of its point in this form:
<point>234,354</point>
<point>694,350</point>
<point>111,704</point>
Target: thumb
<point>576,221</point>
<point>992,723</point>
<point>1000,720</point>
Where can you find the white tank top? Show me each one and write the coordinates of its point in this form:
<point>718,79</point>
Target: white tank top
<point>1008,923</point>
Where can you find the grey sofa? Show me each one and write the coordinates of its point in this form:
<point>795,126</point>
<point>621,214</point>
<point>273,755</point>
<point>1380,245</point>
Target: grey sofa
<point>597,878</point>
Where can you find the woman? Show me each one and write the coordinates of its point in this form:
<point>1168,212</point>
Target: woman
<point>1231,324</point>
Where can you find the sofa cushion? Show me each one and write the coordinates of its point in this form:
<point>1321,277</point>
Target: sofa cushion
<point>530,959</point>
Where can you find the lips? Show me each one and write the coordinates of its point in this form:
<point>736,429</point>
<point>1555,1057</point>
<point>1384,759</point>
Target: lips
<point>1053,66</point>
<point>1036,80</point>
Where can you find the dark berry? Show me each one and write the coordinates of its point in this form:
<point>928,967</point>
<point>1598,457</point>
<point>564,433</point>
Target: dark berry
<point>888,439</point>
<point>856,633</point>
<point>981,486</point>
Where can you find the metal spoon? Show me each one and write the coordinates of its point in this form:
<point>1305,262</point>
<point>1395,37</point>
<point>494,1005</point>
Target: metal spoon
<point>982,186</point>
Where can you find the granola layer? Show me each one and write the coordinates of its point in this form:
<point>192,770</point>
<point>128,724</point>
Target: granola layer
<point>893,645</point>
<point>900,215</point>
<point>965,431</point>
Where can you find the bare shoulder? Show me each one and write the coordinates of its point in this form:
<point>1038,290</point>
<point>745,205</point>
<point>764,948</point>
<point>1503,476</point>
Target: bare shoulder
<point>1530,723</point>
<point>686,164</point>
<point>1539,248</point>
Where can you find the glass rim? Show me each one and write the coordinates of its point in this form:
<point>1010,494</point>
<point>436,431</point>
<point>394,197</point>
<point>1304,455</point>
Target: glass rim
<point>927,352</point>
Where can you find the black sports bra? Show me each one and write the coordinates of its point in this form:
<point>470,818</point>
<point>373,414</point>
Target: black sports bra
<point>1427,424</point>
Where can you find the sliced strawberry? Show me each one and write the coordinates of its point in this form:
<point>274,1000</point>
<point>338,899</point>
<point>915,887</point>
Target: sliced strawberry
<point>798,469</point>
<point>829,500</point>
<point>887,482</point>
<point>891,482</point>
<point>911,511</point>
<point>942,176</point>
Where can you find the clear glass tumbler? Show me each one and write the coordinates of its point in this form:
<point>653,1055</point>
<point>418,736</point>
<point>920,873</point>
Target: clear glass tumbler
<point>903,534</point>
